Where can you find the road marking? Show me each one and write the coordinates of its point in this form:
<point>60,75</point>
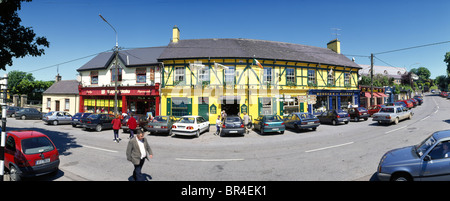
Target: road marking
<point>334,146</point>
<point>101,149</point>
<point>209,160</point>
<point>425,118</point>
<point>395,130</point>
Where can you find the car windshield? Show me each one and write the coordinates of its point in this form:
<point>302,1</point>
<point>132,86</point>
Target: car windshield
<point>233,120</point>
<point>362,109</point>
<point>188,120</point>
<point>36,145</point>
<point>425,145</point>
<point>307,116</point>
<point>159,119</point>
<point>270,118</point>
<point>341,112</point>
<point>93,116</point>
<point>49,114</point>
<point>387,110</point>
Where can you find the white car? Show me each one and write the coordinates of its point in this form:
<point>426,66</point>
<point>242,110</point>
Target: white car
<point>190,125</point>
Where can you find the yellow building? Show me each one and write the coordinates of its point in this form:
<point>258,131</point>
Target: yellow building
<point>205,76</point>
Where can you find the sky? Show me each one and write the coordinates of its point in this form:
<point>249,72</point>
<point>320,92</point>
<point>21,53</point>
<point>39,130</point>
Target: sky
<point>75,30</point>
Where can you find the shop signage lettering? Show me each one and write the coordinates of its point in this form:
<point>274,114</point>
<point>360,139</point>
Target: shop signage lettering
<point>334,94</point>
<point>121,91</point>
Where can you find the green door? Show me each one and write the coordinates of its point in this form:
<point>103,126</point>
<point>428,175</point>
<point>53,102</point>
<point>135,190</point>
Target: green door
<point>169,106</point>
<point>203,110</point>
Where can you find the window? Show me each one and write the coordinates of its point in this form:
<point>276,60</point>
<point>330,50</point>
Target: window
<point>311,77</point>
<point>441,150</point>
<point>67,104</point>
<point>179,75</point>
<point>94,77</point>
<point>330,78</point>
<point>267,77</point>
<point>181,106</point>
<point>141,75</point>
<point>347,80</point>
<point>290,76</point>
<point>230,75</point>
<point>203,75</point>
<point>114,76</point>
<point>49,102</point>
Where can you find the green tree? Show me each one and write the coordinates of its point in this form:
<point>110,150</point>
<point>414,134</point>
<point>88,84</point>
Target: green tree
<point>447,60</point>
<point>16,40</point>
<point>15,78</point>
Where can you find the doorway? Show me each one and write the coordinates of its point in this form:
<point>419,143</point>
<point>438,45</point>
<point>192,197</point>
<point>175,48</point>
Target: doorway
<point>230,105</point>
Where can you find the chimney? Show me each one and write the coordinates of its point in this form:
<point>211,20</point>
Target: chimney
<point>57,78</point>
<point>175,34</point>
<point>334,45</point>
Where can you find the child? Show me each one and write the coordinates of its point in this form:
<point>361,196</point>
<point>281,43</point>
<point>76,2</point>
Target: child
<point>218,122</point>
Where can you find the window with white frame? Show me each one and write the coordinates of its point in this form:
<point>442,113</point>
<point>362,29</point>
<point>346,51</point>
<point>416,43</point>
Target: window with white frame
<point>311,77</point>
<point>230,75</point>
<point>347,80</point>
<point>49,102</point>
<point>67,104</point>
<point>267,76</point>
<point>203,75</point>
<point>330,77</point>
<point>290,76</point>
<point>180,74</point>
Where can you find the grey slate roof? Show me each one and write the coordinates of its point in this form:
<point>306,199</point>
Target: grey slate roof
<point>395,72</point>
<point>249,48</point>
<point>131,57</point>
<point>63,87</point>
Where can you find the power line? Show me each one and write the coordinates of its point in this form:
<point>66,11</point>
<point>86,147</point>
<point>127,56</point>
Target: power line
<point>408,48</point>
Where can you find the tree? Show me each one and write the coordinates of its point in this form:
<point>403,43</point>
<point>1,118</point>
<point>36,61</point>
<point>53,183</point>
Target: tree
<point>16,40</point>
<point>447,60</point>
<point>15,78</point>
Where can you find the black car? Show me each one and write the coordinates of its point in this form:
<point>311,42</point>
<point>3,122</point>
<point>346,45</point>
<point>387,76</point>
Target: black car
<point>28,113</point>
<point>76,119</point>
<point>358,113</point>
<point>232,125</point>
<point>11,111</point>
<point>160,124</point>
<point>98,122</point>
<point>334,117</point>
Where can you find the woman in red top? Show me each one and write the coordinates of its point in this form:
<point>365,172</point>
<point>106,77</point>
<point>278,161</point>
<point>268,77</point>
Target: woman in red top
<point>116,126</point>
<point>132,124</point>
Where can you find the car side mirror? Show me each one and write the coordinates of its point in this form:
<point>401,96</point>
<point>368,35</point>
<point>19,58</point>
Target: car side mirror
<point>427,158</point>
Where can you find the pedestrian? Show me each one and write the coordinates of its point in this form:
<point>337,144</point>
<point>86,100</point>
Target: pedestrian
<point>138,150</point>
<point>116,126</point>
<point>218,122</point>
<point>246,122</point>
<point>132,124</point>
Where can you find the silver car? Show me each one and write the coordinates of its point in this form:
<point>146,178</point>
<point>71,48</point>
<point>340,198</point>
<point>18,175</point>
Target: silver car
<point>57,117</point>
<point>391,114</point>
<point>429,160</point>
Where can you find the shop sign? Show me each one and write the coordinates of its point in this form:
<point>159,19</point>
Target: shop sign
<point>244,108</point>
<point>213,109</point>
<point>334,94</point>
<point>136,92</point>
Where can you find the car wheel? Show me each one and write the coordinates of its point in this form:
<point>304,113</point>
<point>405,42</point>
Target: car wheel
<point>170,132</point>
<point>197,133</point>
<point>315,128</point>
<point>401,177</point>
<point>356,119</point>
<point>14,174</point>
<point>13,115</point>
<point>23,117</point>
<point>98,128</point>
<point>55,123</point>
<point>333,122</point>
<point>208,128</point>
<point>74,125</point>
<point>396,121</point>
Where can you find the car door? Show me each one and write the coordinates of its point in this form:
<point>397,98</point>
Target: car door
<point>438,168</point>
<point>67,117</point>
<point>288,121</point>
<point>10,150</point>
<point>202,124</point>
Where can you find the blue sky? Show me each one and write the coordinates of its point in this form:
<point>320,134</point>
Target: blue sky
<point>75,30</point>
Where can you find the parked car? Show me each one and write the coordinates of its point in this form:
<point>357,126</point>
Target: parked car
<point>396,104</point>
<point>334,117</point>
<point>232,125</point>
<point>358,113</point>
<point>428,160</point>
<point>301,120</point>
<point>269,123</point>
<point>141,121</point>
<point>11,111</point>
<point>419,100</point>
<point>414,102</point>
<point>76,119</point>
<point>30,153</point>
<point>57,117</point>
<point>391,114</point>
<point>374,109</point>
<point>408,103</point>
<point>98,122</point>
<point>190,125</point>
<point>28,113</point>
<point>160,124</point>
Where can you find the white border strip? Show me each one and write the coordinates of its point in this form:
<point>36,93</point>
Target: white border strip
<point>334,146</point>
<point>209,160</point>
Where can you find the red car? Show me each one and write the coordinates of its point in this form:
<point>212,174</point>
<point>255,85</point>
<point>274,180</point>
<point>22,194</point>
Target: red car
<point>408,103</point>
<point>375,108</point>
<point>30,153</point>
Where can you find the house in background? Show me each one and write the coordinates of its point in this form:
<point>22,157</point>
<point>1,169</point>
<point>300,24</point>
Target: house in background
<point>61,96</point>
<point>391,72</point>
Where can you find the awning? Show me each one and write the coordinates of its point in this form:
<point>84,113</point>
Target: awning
<point>367,94</point>
<point>381,95</point>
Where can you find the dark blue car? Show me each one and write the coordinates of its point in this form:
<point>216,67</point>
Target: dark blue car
<point>301,120</point>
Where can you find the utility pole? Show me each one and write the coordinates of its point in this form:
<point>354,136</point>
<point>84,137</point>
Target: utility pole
<point>4,88</point>
<point>116,65</point>
<point>371,79</point>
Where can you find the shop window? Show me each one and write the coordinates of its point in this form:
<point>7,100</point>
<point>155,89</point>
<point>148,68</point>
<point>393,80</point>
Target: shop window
<point>179,75</point>
<point>321,105</point>
<point>267,77</point>
<point>311,77</point>
<point>266,106</point>
<point>290,76</point>
<point>94,77</point>
<point>141,75</point>
<point>114,75</point>
<point>291,106</point>
<point>181,106</point>
<point>230,76</point>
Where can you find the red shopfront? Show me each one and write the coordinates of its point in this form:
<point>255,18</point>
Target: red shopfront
<point>137,99</point>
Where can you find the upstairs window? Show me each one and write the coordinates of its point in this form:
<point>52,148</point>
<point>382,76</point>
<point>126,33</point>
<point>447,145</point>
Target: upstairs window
<point>267,77</point>
<point>230,75</point>
<point>116,73</point>
<point>94,77</point>
<point>311,77</point>
<point>141,75</point>
<point>179,75</point>
<point>290,76</point>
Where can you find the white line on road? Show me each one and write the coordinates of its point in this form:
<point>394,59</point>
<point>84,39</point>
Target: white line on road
<point>425,118</point>
<point>101,149</point>
<point>209,160</point>
<point>395,130</point>
<point>334,146</point>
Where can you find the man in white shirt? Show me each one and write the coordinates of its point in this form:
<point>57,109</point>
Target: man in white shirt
<point>137,151</point>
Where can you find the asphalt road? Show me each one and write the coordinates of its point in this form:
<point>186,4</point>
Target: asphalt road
<point>332,153</point>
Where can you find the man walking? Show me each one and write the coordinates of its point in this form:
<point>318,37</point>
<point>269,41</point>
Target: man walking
<point>116,126</point>
<point>137,151</point>
<point>132,124</point>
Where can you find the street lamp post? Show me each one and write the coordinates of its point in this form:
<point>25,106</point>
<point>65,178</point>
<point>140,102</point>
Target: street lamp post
<point>116,64</point>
